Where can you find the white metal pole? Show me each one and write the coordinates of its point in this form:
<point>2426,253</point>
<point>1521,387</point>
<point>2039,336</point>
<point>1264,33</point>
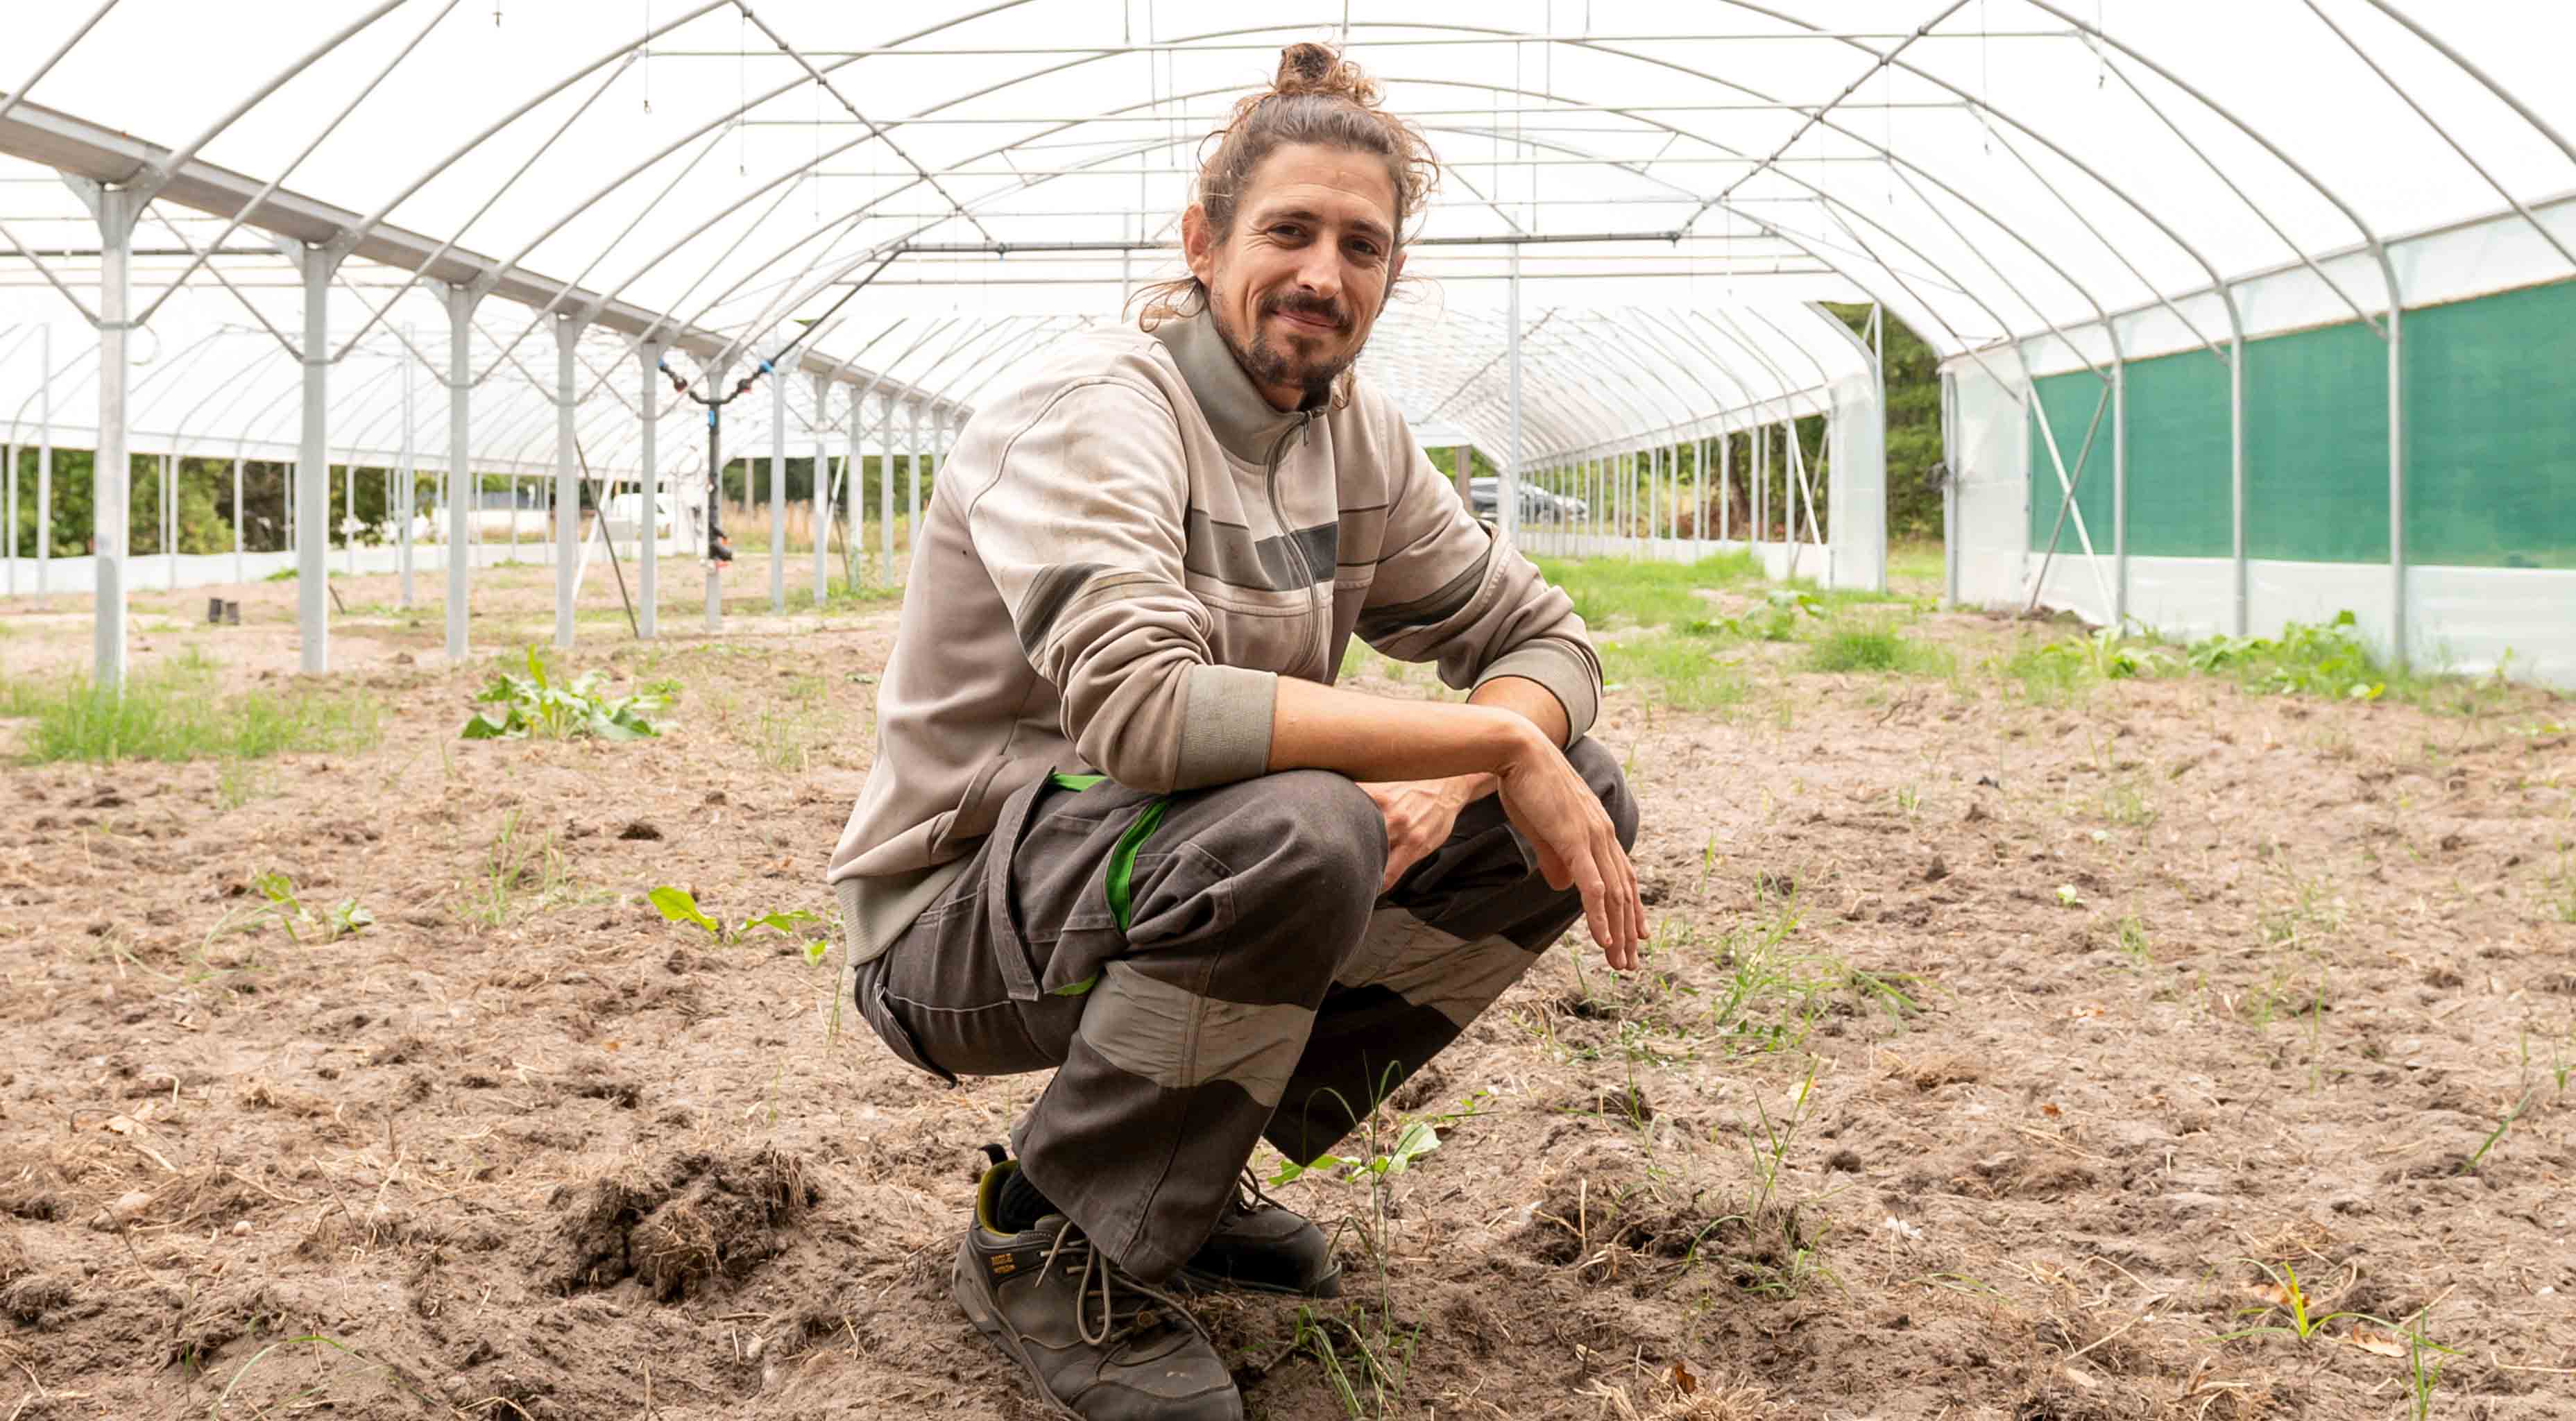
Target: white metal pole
<point>854,551</point>
<point>313,480</point>
<point>885,496</point>
<point>2119,490</point>
<point>1725,485</point>
<point>460,478</point>
<point>1508,504</point>
<point>777,490</point>
<point>45,464</point>
<point>169,521</point>
<point>648,528</point>
<point>241,571</point>
<point>567,499</point>
<point>2235,476</point>
<point>410,471</point>
<point>2398,649</point>
<point>109,470</point>
<point>9,523</point>
<point>349,515</point>
<point>822,464</point>
<point>912,493</point>
<point>715,378</point>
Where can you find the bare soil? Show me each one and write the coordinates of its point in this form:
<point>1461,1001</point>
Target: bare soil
<point>1996,1059</point>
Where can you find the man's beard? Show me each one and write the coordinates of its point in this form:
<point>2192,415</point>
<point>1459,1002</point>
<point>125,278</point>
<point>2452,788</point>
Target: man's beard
<point>1271,366</point>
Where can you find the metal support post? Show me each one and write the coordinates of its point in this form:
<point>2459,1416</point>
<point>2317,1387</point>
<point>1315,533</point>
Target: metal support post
<point>110,469</point>
<point>777,491</point>
<point>460,476</point>
<point>45,464</point>
<point>885,494</point>
<point>1725,485</point>
<point>648,531</point>
<point>2399,651</point>
<point>9,512</point>
<point>2235,478</point>
<point>2119,491</point>
<point>240,568</point>
<point>1508,487</point>
<point>349,514</point>
<point>912,492</point>
<point>567,493</point>
<point>410,471</point>
<point>854,547</point>
<point>822,462</point>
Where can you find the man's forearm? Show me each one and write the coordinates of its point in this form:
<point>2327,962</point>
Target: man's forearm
<point>1316,727</point>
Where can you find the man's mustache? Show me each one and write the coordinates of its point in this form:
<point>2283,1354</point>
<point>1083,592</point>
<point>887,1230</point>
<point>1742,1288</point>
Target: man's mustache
<point>1316,306</point>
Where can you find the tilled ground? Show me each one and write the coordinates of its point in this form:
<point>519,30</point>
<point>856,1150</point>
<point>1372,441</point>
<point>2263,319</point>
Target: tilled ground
<point>1996,1059</point>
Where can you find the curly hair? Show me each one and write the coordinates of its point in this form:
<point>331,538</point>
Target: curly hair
<point>1317,97</point>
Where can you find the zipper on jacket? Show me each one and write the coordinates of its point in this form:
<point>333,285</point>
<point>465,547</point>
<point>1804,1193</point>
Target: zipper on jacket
<point>1296,548</point>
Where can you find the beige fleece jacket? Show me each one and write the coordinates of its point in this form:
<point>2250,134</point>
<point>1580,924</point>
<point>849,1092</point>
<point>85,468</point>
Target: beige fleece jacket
<point>1123,552</point>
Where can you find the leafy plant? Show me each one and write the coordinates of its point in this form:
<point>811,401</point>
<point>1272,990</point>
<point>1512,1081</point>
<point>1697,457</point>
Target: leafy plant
<point>2303,660</point>
<point>538,704</point>
<point>344,919</point>
<point>679,905</point>
<point>1418,1139</point>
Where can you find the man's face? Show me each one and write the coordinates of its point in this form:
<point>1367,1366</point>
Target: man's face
<point>1297,284</point>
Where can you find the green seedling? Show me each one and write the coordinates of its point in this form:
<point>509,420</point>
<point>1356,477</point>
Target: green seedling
<point>1418,1139</point>
<point>678,905</point>
<point>2068,897</point>
<point>345,918</point>
<point>537,704</point>
<point>2470,1165</point>
<point>2292,1299</point>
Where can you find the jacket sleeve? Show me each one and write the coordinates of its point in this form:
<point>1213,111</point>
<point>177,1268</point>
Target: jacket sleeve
<point>1082,532</point>
<point>1450,590</point>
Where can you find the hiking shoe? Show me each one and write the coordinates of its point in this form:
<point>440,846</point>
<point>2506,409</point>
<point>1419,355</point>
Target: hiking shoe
<point>1099,1344</point>
<point>1263,1246</point>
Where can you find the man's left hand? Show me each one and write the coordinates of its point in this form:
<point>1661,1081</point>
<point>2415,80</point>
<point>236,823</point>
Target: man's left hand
<point>1420,815</point>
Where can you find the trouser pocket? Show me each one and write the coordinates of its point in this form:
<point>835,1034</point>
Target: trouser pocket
<point>880,1014</point>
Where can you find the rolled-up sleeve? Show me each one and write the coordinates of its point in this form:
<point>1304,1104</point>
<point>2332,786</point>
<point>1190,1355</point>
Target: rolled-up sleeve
<point>1082,531</point>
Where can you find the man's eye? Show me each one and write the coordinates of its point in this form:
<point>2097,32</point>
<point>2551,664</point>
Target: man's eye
<point>1284,229</point>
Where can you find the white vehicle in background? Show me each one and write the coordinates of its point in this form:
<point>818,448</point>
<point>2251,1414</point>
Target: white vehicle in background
<point>1537,504</point>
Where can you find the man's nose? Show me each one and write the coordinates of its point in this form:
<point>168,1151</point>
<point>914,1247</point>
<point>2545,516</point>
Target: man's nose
<point>1321,272</point>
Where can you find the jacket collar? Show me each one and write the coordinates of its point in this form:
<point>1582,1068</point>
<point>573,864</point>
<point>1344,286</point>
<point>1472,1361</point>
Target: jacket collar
<point>1244,422</point>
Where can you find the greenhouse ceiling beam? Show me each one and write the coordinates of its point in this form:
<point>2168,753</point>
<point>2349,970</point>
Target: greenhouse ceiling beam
<point>2444,134</point>
<point>987,120</point>
<point>1105,51</point>
<point>82,149</point>
<point>1497,239</point>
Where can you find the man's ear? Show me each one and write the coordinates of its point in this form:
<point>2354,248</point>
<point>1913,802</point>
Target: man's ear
<point>1198,244</point>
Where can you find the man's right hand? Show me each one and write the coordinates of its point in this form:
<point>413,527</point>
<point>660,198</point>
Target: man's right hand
<point>1577,845</point>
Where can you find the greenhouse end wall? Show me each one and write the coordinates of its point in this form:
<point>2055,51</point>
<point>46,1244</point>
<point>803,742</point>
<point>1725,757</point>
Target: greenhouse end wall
<point>2488,405</point>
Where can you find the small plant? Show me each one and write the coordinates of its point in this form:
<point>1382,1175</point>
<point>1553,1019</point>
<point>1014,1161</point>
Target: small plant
<point>2303,660</point>
<point>2068,897</point>
<point>512,864</point>
<point>2286,1296</point>
<point>536,704</point>
<point>1418,1139</point>
<point>344,919</point>
<point>678,905</point>
<point>2470,1165</point>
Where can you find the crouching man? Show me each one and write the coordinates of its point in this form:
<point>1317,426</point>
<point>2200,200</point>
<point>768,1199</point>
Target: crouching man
<point>1122,825</point>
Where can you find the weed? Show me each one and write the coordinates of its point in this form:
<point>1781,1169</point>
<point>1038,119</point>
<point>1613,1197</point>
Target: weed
<point>343,919</point>
<point>1614,591</point>
<point>2133,943</point>
<point>2288,1297</point>
<point>173,711</point>
<point>1875,648</point>
<point>511,866</point>
<point>537,704</point>
<point>2303,660</point>
<point>1680,671</point>
<point>2470,1165</point>
<point>678,905</point>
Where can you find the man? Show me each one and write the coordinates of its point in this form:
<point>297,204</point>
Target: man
<point>1120,823</point>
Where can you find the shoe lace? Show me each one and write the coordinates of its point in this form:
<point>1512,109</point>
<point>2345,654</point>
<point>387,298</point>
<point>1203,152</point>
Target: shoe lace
<point>1096,1271</point>
<point>1250,1197</point>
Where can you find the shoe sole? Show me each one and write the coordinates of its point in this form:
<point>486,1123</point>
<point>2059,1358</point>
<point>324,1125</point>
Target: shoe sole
<point>1191,1280</point>
<point>990,1324</point>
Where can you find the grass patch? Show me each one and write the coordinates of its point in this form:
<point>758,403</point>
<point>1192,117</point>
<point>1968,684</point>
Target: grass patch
<point>1918,568</point>
<point>1614,591</point>
<point>172,711</point>
<point>1877,648</point>
<point>1679,670</point>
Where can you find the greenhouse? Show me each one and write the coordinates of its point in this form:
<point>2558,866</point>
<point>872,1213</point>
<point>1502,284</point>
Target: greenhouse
<point>2216,355</point>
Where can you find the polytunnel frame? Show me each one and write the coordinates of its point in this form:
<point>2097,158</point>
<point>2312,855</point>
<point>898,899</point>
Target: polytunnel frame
<point>114,213</point>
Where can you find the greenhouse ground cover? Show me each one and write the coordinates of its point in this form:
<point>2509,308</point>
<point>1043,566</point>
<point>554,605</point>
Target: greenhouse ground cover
<point>2021,1037</point>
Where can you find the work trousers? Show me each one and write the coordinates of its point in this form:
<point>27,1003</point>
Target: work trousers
<point>1207,969</point>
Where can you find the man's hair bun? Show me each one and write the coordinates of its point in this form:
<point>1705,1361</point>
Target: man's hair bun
<point>1316,69</point>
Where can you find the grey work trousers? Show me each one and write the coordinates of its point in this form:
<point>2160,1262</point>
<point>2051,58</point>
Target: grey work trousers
<point>1206,969</point>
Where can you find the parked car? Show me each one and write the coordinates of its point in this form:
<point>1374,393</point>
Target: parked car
<point>1537,504</point>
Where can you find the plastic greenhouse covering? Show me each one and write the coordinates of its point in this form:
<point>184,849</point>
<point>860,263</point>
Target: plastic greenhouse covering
<point>2281,290</point>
